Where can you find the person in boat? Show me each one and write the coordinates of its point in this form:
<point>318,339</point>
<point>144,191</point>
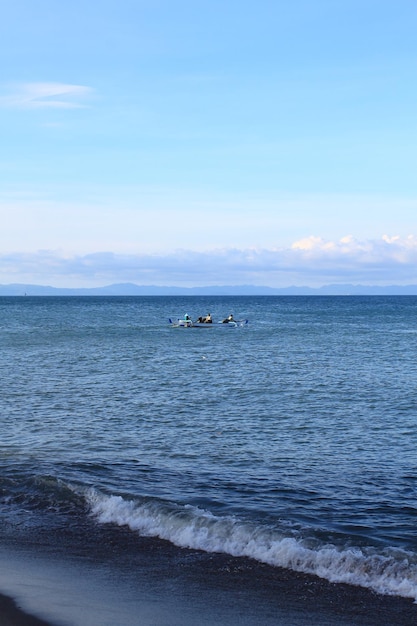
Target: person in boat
<point>205,320</point>
<point>187,320</point>
<point>228,319</point>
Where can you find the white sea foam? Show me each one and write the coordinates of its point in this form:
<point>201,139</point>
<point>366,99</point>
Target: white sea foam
<point>392,572</point>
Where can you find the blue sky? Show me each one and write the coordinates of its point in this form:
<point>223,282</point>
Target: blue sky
<point>201,143</point>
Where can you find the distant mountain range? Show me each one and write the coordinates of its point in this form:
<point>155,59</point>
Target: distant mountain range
<point>130,289</point>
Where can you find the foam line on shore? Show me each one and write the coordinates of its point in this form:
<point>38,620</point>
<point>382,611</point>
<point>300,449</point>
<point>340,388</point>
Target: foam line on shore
<point>386,571</point>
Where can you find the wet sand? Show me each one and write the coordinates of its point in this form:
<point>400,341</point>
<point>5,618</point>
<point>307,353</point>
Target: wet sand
<point>233,597</point>
<point>11,615</point>
<point>118,578</point>
<point>380,614</point>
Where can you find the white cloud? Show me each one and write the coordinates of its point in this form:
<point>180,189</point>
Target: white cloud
<point>312,261</point>
<point>46,95</point>
<point>402,250</point>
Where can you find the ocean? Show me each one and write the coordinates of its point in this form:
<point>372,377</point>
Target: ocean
<point>198,463</point>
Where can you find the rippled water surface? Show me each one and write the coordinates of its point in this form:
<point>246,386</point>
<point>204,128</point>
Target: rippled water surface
<point>291,439</point>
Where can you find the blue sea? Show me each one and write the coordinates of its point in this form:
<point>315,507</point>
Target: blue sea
<point>288,442</point>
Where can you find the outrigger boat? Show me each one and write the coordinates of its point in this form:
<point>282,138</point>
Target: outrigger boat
<point>188,323</point>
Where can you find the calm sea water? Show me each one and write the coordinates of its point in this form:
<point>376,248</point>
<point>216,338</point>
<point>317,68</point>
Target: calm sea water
<point>291,439</point>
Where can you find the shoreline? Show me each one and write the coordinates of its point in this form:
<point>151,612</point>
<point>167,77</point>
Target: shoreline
<point>335,613</point>
<point>161,585</point>
<point>12,615</point>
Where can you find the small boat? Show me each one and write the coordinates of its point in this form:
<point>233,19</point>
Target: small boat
<point>183,323</point>
<point>187,323</point>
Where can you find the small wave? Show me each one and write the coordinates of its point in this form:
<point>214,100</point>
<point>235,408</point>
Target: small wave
<point>42,493</point>
<point>391,572</point>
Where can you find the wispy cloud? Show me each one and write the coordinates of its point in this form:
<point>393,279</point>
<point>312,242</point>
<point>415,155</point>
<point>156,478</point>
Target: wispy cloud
<point>312,261</point>
<point>45,95</point>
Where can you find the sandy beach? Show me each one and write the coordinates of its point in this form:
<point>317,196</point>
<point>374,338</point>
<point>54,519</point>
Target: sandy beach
<point>11,615</point>
<point>382,613</point>
<point>211,590</point>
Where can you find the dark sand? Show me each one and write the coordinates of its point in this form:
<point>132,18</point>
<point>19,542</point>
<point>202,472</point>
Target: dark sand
<point>229,597</point>
<point>120,579</point>
<point>11,615</point>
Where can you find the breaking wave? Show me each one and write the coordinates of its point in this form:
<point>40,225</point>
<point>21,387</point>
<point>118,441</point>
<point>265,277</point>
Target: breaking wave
<point>387,571</point>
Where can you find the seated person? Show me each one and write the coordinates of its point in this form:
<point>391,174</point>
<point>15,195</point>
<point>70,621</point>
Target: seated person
<point>187,320</point>
<point>205,320</point>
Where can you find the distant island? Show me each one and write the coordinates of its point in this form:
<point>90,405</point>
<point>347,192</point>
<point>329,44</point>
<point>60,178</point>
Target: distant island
<point>131,289</point>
